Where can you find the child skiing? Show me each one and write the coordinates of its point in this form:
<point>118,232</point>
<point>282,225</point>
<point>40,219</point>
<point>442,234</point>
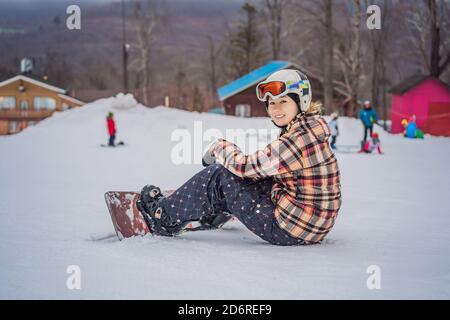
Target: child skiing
<point>287,194</point>
<point>334,129</point>
<point>111,129</point>
<point>372,144</point>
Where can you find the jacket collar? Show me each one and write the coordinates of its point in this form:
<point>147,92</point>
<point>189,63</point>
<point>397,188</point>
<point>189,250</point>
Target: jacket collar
<point>299,120</point>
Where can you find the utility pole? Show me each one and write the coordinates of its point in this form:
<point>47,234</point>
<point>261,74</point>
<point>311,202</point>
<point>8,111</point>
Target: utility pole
<point>124,51</point>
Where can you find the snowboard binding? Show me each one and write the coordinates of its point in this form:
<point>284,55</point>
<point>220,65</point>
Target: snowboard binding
<point>208,222</point>
<point>215,221</point>
<point>149,204</point>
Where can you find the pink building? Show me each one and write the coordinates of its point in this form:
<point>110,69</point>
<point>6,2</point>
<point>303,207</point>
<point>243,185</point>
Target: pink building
<point>425,97</point>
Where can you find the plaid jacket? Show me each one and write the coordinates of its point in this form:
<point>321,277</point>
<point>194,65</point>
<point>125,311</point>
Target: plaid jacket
<point>307,191</point>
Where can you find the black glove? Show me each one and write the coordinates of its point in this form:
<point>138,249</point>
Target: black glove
<point>208,159</point>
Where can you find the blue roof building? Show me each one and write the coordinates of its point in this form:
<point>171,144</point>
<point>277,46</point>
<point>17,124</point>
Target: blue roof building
<point>251,79</point>
<point>239,96</point>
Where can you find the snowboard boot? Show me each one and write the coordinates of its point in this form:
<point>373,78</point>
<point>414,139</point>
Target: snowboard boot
<point>149,204</point>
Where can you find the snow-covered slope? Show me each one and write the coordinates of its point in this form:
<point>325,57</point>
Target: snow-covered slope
<point>395,214</point>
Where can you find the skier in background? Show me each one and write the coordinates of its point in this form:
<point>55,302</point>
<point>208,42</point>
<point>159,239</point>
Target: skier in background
<point>288,193</point>
<point>368,117</point>
<point>111,129</point>
<point>334,129</point>
<point>372,144</point>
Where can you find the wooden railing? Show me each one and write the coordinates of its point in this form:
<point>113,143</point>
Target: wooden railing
<point>30,115</point>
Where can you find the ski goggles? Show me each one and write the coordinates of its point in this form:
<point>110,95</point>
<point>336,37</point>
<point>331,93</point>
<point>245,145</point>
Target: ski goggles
<point>277,89</point>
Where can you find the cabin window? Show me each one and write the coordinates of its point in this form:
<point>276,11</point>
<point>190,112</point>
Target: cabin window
<point>7,102</point>
<point>24,105</point>
<point>65,106</point>
<point>242,110</point>
<point>44,103</point>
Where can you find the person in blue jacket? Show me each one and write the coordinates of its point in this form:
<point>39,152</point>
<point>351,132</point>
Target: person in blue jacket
<point>368,116</point>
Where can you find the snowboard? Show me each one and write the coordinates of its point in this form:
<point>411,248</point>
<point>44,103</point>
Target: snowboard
<point>128,221</point>
<point>119,144</point>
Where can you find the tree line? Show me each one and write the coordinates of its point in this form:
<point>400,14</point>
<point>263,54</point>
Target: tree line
<point>328,38</point>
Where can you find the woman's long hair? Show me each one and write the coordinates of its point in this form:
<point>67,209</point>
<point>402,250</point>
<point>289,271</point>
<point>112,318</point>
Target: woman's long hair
<point>315,107</point>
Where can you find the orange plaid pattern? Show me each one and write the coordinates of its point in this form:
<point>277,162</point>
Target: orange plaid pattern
<point>307,191</point>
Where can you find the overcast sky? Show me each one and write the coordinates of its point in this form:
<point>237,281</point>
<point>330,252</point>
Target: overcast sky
<point>37,1</point>
<point>91,1</point>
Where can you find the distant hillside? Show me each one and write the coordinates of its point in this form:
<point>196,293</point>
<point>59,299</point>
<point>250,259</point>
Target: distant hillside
<point>93,54</point>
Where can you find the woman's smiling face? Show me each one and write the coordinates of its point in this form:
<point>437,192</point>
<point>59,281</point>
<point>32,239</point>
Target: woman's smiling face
<point>282,110</point>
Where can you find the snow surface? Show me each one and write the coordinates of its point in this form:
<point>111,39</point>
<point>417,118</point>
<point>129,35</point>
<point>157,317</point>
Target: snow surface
<point>395,215</point>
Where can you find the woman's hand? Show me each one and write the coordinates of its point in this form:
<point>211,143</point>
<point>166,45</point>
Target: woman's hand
<point>208,159</point>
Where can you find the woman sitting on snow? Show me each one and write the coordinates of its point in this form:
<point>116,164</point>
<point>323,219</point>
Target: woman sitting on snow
<point>287,194</point>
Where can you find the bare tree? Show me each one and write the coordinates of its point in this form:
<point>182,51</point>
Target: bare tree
<point>293,28</point>
<point>378,40</point>
<point>148,18</point>
<point>428,20</point>
<point>181,79</point>
<point>348,53</point>
<point>328,58</point>
<point>273,12</point>
<point>317,19</point>
<point>213,53</point>
<point>56,68</point>
<point>245,50</point>
<point>438,63</point>
<point>198,103</point>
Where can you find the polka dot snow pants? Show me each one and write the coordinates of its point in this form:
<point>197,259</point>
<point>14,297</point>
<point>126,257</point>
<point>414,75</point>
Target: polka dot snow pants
<point>215,189</point>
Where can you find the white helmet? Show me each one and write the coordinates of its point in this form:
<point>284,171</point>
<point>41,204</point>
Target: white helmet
<point>283,82</point>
